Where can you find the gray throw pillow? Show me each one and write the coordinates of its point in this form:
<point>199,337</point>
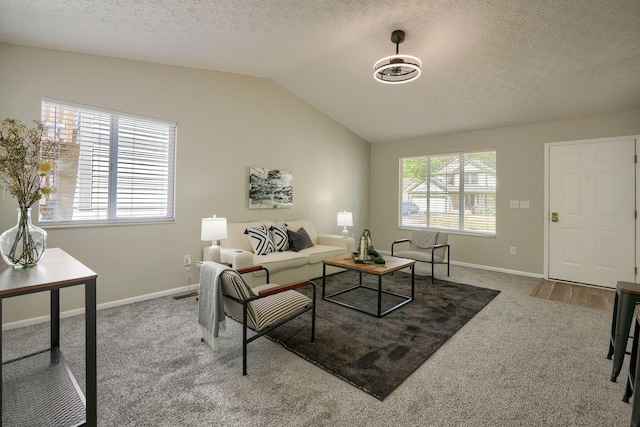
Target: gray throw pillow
<point>299,240</point>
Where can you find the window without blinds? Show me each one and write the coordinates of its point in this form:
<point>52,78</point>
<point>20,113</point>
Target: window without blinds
<point>454,192</point>
<point>112,167</point>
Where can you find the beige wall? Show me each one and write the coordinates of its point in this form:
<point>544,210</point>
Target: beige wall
<point>226,124</point>
<point>520,176</point>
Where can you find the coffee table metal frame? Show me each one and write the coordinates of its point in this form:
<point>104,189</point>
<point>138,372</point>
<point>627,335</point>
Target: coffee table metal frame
<point>392,264</point>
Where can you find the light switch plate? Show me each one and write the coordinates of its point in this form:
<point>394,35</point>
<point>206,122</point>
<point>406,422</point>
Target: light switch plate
<point>524,204</point>
<point>514,204</point>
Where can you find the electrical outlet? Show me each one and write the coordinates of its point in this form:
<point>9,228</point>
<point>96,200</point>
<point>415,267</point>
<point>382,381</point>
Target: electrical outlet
<point>512,250</point>
<point>187,261</point>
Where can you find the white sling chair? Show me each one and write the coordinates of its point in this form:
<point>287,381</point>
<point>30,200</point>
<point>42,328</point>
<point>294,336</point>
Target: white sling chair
<point>426,246</point>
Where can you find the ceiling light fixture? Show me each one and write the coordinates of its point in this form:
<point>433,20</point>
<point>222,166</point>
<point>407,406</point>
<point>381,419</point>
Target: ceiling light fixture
<point>396,69</point>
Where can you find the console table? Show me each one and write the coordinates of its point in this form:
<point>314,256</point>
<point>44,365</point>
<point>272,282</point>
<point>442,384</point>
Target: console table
<point>39,388</point>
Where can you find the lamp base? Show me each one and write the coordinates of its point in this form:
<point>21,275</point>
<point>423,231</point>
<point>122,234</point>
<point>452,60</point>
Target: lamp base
<point>214,253</point>
<point>345,232</point>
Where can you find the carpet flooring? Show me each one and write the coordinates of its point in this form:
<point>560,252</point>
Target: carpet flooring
<point>378,354</point>
<point>521,361</point>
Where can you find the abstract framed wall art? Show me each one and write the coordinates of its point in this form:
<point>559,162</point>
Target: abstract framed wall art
<point>270,188</point>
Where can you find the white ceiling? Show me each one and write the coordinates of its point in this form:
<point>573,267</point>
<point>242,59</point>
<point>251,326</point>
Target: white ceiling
<point>486,63</point>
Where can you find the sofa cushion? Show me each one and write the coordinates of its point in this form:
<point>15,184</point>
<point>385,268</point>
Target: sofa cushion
<point>317,253</point>
<point>280,237</point>
<point>274,307</point>
<point>276,261</point>
<point>299,240</point>
<point>260,240</point>
<point>424,256</point>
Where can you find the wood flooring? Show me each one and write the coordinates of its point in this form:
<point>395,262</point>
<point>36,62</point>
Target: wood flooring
<point>576,294</point>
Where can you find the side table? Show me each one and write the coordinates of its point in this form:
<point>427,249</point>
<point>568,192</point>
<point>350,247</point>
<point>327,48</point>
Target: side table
<point>39,388</point>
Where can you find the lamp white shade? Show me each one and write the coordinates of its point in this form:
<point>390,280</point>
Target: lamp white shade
<point>345,219</point>
<point>213,229</point>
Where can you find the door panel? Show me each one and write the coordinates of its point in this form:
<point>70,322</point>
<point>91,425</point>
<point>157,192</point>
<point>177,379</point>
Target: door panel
<point>592,189</point>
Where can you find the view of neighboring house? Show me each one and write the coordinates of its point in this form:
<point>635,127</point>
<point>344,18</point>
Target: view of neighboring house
<point>439,194</point>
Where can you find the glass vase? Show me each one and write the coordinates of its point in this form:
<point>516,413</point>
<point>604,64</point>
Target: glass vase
<point>23,244</point>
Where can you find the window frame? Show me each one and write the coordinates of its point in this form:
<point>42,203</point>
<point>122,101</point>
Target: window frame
<point>462,181</point>
<point>112,197</point>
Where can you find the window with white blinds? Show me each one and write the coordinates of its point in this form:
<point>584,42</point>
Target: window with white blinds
<point>112,167</point>
<point>455,192</point>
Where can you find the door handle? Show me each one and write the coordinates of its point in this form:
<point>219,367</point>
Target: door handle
<point>554,216</point>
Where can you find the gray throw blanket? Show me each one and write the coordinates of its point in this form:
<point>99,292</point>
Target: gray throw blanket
<point>211,320</point>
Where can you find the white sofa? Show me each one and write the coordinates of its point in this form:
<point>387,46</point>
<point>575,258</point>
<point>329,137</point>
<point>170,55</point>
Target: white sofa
<point>286,266</point>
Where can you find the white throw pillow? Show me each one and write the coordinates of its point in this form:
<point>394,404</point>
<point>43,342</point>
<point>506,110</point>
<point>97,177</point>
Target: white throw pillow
<point>260,240</point>
<point>280,237</point>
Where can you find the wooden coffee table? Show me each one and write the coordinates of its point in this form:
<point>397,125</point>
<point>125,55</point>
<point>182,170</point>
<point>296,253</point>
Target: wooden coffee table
<point>391,264</point>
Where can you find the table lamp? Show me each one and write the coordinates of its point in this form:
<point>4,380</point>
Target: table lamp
<point>345,219</point>
<point>213,229</point>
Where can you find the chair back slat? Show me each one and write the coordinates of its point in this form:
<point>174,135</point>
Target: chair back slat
<point>234,285</point>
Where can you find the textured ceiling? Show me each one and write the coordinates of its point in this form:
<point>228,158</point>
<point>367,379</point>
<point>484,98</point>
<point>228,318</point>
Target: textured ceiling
<point>486,63</point>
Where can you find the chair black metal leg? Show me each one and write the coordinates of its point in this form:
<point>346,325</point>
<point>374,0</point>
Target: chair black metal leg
<point>244,340</point>
<point>613,325</point>
<point>448,260</point>
<point>433,279</point>
<point>313,323</point>
<point>313,315</point>
<point>633,362</point>
<point>628,392</point>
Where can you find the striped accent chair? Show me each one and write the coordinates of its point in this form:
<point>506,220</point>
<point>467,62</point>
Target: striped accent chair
<point>264,308</point>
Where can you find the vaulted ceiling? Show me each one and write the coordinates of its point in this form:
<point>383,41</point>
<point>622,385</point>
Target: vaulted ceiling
<point>486,63</point>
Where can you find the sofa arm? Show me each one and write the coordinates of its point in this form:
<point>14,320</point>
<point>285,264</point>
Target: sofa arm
<point>334,240</point>
<point>238,258</point>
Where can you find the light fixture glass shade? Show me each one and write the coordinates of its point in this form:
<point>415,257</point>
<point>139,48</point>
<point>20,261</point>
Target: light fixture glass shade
<point>397,69</point>
<point>213,229</point>
<point>345,219</point>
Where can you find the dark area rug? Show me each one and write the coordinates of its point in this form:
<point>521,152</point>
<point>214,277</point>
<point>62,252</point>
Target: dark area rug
<point>378,354</point>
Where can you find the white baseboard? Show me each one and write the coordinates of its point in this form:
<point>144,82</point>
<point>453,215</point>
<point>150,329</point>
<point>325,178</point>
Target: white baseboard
<point>500,270</point>
<point>69,313</point>
<point>487,267</point>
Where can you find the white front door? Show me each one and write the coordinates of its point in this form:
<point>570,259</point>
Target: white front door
<point>591,212</point>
